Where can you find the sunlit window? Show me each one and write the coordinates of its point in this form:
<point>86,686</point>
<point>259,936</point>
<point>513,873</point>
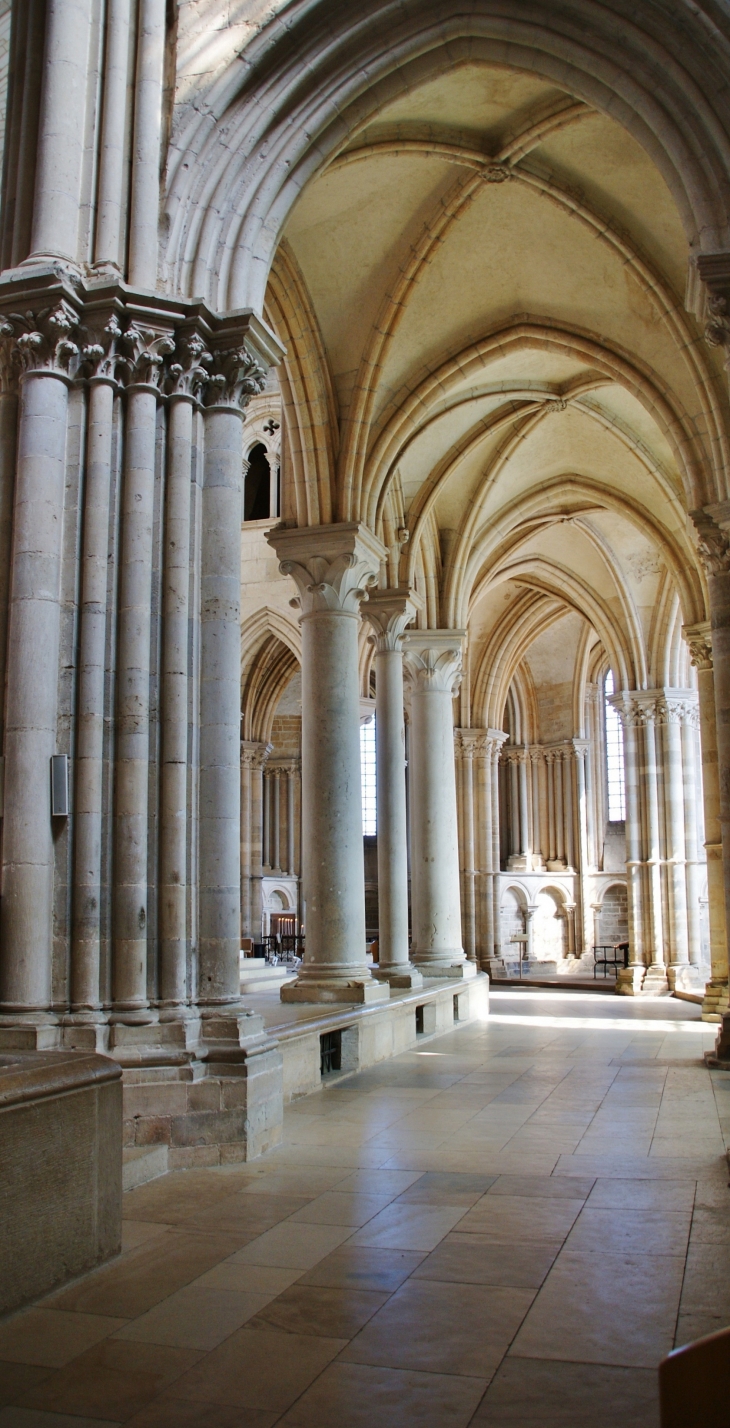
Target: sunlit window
<point>614,757</point>
<point>367,773</point>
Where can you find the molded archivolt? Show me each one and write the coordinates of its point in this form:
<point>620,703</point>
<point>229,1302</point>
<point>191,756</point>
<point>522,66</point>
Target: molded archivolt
<point>317,74</point>
<point>270,656</point>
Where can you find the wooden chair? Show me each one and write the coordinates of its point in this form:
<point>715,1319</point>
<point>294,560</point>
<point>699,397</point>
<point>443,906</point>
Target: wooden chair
<point>694,1384</point>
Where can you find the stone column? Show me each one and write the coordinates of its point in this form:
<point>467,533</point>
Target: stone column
<point>713,527</point>
<point>433,663</point>
<point>699,639</point>
<point>464,751</point>
<point>131,798</point>
<point>630,979</point>
<point>389,612</point>
<point>237,375</point>
<point>246,760</point>
<point>332,567</point>
<point>497,738</point>
<point>276,819</point>
<point>189,376</point>
<point>62,132</point>
<point>113,157</point>
<point>42,349</point>
<point>525,840</point>
<point>102,358</point>
<point>145,177</point>
<point>290,773</point>
<point>255,756</point>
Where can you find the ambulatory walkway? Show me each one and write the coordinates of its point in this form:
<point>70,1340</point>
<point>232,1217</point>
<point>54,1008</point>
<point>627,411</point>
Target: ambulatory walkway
<point>509,1226</point>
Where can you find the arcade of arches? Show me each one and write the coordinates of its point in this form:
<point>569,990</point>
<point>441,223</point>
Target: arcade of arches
<point>358,362</point>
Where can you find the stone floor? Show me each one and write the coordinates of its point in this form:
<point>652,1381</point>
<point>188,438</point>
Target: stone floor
<point>509,1227</point>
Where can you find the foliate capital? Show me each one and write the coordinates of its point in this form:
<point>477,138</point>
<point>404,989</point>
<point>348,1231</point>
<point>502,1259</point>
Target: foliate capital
<point>236,375</point>
<point>39,341</point>
<point>434,660</point>
<point>389,612</point>
<point>145,349</point>
<point>253,754</point>
<point>189,374</point>
<point>640,708</point>
<point>333,567</point>
<point>699,640</point>
<point>713,545</point>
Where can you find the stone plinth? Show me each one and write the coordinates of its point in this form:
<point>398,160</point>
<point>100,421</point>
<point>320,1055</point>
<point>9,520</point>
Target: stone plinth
<point>61,1170</point>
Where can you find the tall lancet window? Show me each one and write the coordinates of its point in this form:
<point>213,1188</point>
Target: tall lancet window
<point>614,756</point>
<point>367,775</point>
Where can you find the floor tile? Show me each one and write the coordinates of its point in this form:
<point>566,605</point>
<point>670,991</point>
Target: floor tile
<point>178,1413</point>
<point>247,1278</point>
<point>257,1368</point>
<point>510,1218</point>
<point>604,1308</point>
<point>533,1393</point>
<point>542,1187</point>
<point>133,1284</point>
<point>113,1380</point>
<point>412,1227</point>
<point>331,1313</point>
<point>442,1328</point>
<point>36,1418</point>
<point>195,1318</point>
<point>661,1195</point>
<point>444,1187</point>
<point>292,1246</point>
<point>334,1208</point>
<point>630,1231</point>
<point>18,1379</point>
<point>364,1267</point>
<point>52,1337</point>
<point>364,1397</point>
<point>473,1259</point>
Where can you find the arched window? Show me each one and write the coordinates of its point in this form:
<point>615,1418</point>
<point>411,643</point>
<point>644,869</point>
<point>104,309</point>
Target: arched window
<point>367,777</point>
<point>257,487</point>
<point>614,755</point>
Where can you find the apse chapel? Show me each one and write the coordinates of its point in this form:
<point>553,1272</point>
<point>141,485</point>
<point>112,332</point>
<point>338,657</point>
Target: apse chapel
<point>364,708</point>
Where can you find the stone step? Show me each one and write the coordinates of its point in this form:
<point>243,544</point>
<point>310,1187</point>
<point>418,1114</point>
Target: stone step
<point>141,1163</point>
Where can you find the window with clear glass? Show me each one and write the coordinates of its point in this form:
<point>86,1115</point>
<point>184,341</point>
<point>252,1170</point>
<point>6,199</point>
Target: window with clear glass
<point>367,774</point>
<point>614,756</point>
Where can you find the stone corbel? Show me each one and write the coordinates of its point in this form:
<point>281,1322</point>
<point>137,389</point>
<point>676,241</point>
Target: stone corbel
<point>333,567</point>
<point>710,299</point>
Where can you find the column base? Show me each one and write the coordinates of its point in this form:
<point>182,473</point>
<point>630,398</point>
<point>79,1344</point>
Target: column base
<point>655,982</point>
<point>720,1056</point>
<point>716,1000</point>
<point>359,991</point>
<point>686,977</point>
<point>401,976</point>
<point>454,971</point>
<point>630,981</point>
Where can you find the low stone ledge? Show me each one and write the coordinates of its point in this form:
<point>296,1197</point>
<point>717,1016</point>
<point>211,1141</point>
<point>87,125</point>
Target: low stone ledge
<point>60,1170</point>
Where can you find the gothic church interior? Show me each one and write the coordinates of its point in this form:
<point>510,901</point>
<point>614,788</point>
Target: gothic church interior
<point>365,669</point>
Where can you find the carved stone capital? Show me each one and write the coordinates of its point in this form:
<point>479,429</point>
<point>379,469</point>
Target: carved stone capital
<point>146,349</point>
<point>236,375</point>
<point>389,612</point>
<point>253,754</point>
<point>475,743</point>
<point>39,341</point>
<point>639,708</point>
<point>713,545</point>
<point>333,567</point>
<point>433,660</point>
<point>188,375</point>
<point>699,640</point>
<point>103,358</point>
